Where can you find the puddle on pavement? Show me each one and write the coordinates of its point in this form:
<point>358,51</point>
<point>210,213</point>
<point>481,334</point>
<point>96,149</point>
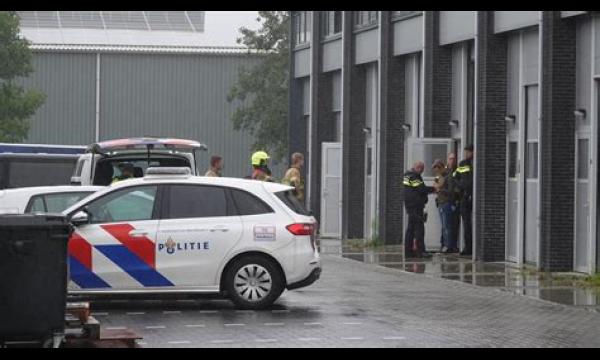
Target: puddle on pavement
<point>505,276</point>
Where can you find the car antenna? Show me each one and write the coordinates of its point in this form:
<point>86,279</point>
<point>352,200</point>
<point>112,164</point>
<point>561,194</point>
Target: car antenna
<point>150,146</point>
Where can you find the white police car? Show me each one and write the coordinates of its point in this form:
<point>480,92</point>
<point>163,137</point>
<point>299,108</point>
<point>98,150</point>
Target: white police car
<point>174,232</point>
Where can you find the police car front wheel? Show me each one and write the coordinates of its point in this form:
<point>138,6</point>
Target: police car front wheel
<point>254,282</point>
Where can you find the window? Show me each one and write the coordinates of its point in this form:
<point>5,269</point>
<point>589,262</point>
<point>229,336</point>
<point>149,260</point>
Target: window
<point>55,203</point>
<point>107,169</point>
<point>36,205</point>
<point>288,198</point>
<point>248,204</point>
<point>302,26</point>
<point>79,167</point>
<point>512,159</point>
<point>130,204</point>
<point>365,18</point>
<point>369,161</point>
<point>583,159</point>
<point>24,173</point>
<point>331,22</point>
<point>195,201</point>
<point>337,126</point>
<point>532,160</point>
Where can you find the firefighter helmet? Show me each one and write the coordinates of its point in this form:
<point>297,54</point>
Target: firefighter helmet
<point>259,158</point>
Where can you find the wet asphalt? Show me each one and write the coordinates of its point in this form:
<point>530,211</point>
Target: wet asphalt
<point>379,300</point>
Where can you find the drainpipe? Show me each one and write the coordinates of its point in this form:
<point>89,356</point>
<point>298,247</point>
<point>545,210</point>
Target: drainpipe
<point>97,117</point>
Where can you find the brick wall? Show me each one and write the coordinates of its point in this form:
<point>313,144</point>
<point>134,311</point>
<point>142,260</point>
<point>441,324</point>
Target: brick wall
<point>438,80</point>
<point>392,137</point>
<point>356,153</point>
<point>490,151</point>
<point>557,144</point>
<point>394,191</point>
<point>297,127</point>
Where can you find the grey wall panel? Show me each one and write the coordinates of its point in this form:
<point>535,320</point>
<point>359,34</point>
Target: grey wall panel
<point>332,55</point>
<point>456,26</point>
<point>565,14</point>
<point>584,64</point>
<point>336,98</point>
<point>513,65</point>
<point>511,20</point>
<point>302,63</point>
<point>366,47</point>
<point>408,35</point>
<point>306,96</point>
<point>68,80</point>
<point>531,52</point>
<point>177,96</point>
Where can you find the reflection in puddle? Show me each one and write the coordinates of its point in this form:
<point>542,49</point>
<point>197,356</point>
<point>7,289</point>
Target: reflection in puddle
<point>505,276</point>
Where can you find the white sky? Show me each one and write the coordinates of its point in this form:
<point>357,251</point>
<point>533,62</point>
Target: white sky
<point>221,28</point>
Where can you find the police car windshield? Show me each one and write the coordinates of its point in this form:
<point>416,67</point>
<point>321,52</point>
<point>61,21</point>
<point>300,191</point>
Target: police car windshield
<point>292,202</point>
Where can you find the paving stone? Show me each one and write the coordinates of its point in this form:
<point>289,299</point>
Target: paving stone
<point>364,305</point>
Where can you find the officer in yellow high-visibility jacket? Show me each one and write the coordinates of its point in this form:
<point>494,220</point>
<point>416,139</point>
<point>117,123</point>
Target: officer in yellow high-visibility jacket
<point>415,198</point>
<point>126,172</point>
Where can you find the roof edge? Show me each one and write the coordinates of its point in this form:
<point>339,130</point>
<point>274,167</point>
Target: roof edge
<point>240,50</point>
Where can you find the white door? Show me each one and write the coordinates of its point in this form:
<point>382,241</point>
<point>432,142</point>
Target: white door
<point>331,189</point>
<point>512,193</point>
<point>532,213</point>
<point>582,202</point>
<point>117,248</point>
<point>427,150</point>
<point>195,233</point>
<point>371,152</point>
<point>368,226</point>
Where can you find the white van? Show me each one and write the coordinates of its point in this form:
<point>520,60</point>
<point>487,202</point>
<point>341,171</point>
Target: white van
<point>100,164</point>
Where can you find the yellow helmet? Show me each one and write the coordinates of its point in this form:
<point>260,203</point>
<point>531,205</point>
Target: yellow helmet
<point>259,157</point>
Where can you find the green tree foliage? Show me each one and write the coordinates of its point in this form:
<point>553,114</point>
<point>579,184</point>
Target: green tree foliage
<point>16,104</point>
<point>263,89</point>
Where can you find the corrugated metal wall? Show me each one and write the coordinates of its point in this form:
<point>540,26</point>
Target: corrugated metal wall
<point>175,95</point>
<point>68,80</point>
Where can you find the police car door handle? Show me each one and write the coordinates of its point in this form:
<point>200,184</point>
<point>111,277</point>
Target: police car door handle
<point>138,233</point>
<point>219,228</point>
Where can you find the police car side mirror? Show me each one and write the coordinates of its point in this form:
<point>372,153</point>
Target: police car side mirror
<point>80,218</point>
<point>76,180</point>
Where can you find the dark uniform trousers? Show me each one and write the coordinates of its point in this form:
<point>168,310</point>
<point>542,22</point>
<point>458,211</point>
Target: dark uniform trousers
<point>415,232</point>
<point>464,176</point>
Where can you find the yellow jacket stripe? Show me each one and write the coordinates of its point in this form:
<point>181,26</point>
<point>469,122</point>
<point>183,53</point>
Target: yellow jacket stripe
<point>463,169</point>
<point>412,183</point>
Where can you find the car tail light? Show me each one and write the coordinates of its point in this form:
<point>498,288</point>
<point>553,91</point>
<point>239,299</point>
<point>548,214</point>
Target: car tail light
<point>303,229</point>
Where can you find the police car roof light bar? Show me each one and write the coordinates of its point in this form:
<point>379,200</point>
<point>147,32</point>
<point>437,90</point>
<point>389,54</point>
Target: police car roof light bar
<point>169,170</point>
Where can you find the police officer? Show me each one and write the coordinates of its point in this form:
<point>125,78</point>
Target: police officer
<point>455,215</point>
<point>464,182</point>
<point>126,169</point>
<point>260,167</point>
<point>415,198</point>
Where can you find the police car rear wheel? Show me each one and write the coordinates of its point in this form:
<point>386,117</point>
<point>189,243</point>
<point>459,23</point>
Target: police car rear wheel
<point>254,282</point>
